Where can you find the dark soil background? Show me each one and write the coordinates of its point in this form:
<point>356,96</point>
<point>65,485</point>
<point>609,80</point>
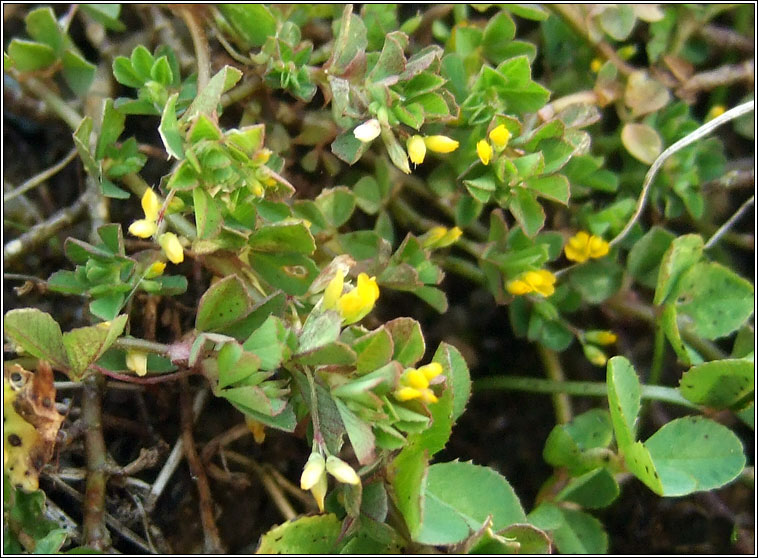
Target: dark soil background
<point>503,430</point>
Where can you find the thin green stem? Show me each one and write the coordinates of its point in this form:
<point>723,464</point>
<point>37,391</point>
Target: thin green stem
<point>659,351</point>
<point>133,344</point>
<point>464,268</point>
<point>200,43</point>
<point>54,102</point>
<point>580,389</point>
<point>554,371</point>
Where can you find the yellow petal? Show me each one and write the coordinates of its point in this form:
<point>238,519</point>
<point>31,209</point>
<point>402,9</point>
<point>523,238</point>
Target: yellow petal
<point>427,396</point>
<point>171,247</point>
<point>518,287</point>
<point>598,247</point>
<point>313,470</point>
<point>484,150</point>
<point>143,228</point>
<point>431,370</point>
<point>319,492</point>
<point>416,149</point>
<point>406,393</point>
<point>432,236</point>
<point>441,144</point>
<point>415,379</point>
<point>500,136</point>
<point>257,429</point>
<point>333,290</point>
<point>156,269</point>
<point>151,205</point>
<point>341,470</point>
<point>136,361</point>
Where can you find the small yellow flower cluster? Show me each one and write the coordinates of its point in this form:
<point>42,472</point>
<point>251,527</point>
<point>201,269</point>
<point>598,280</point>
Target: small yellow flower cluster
<point>715,111</point>
<point>541,282</point>
<point>414,383</point>
<point>314,475</point>
<point>354,304</point>
<point>583,246</point>
<point>147,227</point>
<point>440,237</point>
<point>417,146</point>
<point>499,136</point>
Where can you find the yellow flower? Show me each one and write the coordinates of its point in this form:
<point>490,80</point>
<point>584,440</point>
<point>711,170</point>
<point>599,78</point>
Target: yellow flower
<point>314,478</point>
<point>441,144</point>
<point>484,150</point>
<point>368,131</point>
<point>313,470</point>
<point>600,337</point>
<point>354,304</point>
<point>596,64</point>
<point>414,383</point>
<point>416,149</point>
<point>583,246</point>
<point>541,282</point>
<point>595,355</point>
<point>716,110</point>
<point>518,287</point>
<point>151,205</point>
<point>171,247</point>
<point>341,470</point>
<point>500,136</point>
<point>439,237</point>
<point>155,270</point>
<point>143,228</point>
<point>136,361</point>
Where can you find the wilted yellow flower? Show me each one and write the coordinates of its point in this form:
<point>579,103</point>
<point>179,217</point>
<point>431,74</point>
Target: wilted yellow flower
<point>341,470</point>
<point>601,337</point>
<point>500,136</point>
<point>156,269</point>
<point>368,131</point>
<point>439,237</point>
<point>136,361</point>
<point>313,470</point>
<point>319,492</point>
<point>595,355</point>
<point>441,144</point>
<point>484,150</point>
<point>583,246</point>
<point>143,228</point>
<point>541,282</point>
<point>257,429</point>
<point>416,149</point>
<point>171,247</point>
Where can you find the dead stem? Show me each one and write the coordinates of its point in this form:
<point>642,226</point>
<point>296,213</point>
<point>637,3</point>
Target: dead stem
<point>38,179</point>
<point>725,75</point>
<point>111,521</point>
<point>213,544</point>
<point>200,43</point>
<point>95,532</point>
<point>41,232</point>
<point>270,484</point>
